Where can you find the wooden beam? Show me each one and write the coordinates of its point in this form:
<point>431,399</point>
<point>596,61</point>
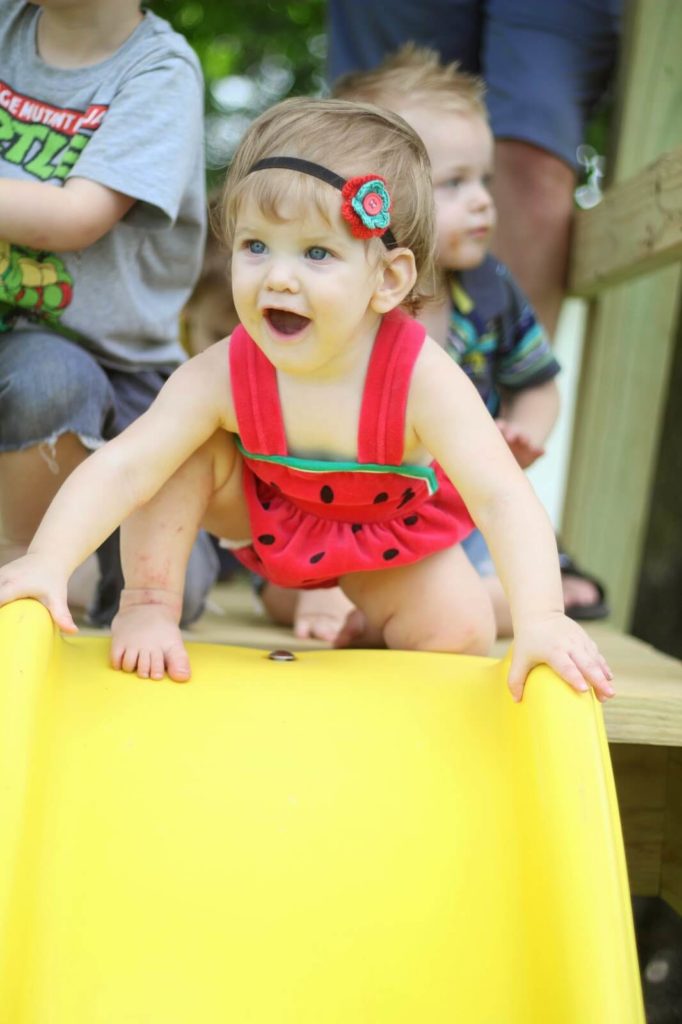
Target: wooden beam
<point>671,854</point>
<point>635,229</point>
<point>631,335</point>
<point>640,774</point>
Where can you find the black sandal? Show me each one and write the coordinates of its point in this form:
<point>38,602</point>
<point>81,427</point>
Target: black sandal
<point>598,609</point>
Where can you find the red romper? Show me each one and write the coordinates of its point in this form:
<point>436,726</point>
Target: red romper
<point>313,521</point>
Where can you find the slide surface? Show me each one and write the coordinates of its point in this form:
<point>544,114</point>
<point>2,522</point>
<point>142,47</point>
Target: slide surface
<point>347,838</point>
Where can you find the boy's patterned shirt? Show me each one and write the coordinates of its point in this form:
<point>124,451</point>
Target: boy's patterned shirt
<point>494,336</point>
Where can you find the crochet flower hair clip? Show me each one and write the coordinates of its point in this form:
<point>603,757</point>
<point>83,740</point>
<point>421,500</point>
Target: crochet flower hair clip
<point>366,206</point>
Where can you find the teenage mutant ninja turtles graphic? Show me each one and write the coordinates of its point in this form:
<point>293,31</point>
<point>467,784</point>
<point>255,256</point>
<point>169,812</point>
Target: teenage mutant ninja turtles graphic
<point>32,283</point>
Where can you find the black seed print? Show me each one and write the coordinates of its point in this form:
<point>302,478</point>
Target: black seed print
<point>327,494</point>
<point>408,495</point>
<point>266,538</point>
<point>411,520</point>
<point>356,527</point>
<point>265,505</point>
<point>381,496</point>
<point>317,558</point>
<point>390,553</point>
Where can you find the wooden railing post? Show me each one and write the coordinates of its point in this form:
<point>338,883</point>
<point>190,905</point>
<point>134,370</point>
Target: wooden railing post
<point>631,332</point>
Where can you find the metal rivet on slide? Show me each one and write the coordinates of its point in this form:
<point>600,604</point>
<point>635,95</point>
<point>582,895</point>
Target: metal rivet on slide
<point>281,656</point>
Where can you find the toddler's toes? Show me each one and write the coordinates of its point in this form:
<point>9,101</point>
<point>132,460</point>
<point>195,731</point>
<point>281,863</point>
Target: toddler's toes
<point>157,664</point>
<point>352,630</point>
<point>177,663</point>
<point>326,628</point>
<point>129,659</point>
<point>143,664</point>
<point>317,627</point>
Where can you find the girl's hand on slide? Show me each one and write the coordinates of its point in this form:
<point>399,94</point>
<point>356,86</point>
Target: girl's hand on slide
<point>555,640</point>
<point>34,576</point>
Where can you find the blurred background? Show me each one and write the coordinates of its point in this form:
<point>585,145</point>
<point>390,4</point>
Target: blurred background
<point>254,53</point>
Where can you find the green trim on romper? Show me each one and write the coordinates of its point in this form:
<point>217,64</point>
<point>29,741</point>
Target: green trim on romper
<point>426,473</point>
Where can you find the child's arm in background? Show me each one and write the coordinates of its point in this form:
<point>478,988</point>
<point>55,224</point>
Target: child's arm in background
<point>118,478</point>
<point>526,420</point>
<point>452,423</point>
<point>64,219</point>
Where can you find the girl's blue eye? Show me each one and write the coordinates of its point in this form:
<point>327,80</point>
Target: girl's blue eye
<point>317,253</point>
<point>256,247</point>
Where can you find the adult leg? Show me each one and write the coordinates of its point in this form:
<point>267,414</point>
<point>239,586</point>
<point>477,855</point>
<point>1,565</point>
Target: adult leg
<point>156,542</point>
<point>438,604</point>
<point>533,193</point>
<point>546,66</point>
<point>546,71</point>
<point>361,34</point>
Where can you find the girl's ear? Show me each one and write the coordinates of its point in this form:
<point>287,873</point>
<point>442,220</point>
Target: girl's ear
<point>396,282</point>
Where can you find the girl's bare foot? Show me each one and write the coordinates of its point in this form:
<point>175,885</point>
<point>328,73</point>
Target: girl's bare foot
<point>146,639</point>
<point>321,614</point>
<point>356,632</point>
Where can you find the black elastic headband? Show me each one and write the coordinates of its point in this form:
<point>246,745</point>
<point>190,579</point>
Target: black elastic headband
<point>358,218</point>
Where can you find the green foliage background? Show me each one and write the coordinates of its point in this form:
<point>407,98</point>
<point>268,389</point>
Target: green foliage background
<point>272,48</point>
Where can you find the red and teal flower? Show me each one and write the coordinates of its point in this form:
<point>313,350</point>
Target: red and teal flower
<point>366,206</point>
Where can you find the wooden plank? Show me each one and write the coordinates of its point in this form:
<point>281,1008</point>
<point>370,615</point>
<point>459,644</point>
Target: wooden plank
<point>635,229</point>
<point>623,388</point>
<point>632,330</point>
<point>647,708</point>
<point>640,775</point>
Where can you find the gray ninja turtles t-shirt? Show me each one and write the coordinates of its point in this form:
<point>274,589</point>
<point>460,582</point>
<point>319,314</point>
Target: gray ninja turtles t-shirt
<point>133,123</point>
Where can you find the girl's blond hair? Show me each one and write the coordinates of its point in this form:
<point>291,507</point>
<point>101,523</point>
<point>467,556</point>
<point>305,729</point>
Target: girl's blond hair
<point>414,77</point>
<point>350,139</point>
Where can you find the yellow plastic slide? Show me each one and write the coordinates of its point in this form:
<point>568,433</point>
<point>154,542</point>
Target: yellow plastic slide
<point>346,838</point>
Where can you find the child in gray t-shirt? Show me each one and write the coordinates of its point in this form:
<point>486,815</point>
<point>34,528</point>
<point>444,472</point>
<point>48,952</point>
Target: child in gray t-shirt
<point>102,227</point>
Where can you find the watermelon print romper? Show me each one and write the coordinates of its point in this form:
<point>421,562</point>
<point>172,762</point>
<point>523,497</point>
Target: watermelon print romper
<point>314,521</point>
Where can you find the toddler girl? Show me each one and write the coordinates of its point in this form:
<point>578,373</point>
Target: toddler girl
<point>327,437</point>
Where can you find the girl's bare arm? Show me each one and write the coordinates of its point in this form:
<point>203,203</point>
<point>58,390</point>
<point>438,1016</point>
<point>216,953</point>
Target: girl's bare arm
<point>450,420</point>
<point>127,471</point>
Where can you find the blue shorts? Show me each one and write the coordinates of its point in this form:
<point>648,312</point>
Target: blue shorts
<point>476,550</point>
<point>546,63</point>
<point>49,387</point>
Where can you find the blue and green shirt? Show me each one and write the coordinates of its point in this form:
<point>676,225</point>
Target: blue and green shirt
<point>493,333</point>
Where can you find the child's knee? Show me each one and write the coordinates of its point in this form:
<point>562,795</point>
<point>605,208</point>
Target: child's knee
<point>472,632</point>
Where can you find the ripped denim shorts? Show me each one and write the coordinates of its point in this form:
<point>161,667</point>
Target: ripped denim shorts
<point>49,386</point>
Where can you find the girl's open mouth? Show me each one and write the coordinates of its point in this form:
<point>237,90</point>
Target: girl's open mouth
<point>285,322</point>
